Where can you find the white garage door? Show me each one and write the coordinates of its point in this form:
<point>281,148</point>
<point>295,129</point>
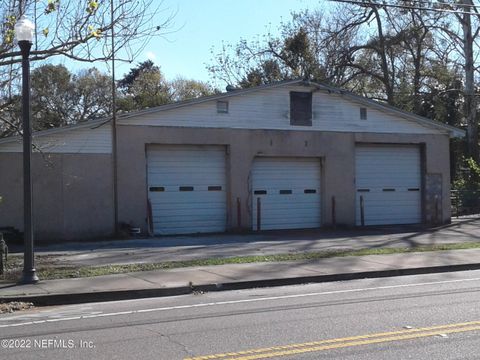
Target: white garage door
<point>187,189</point>
<point>389,180</point>
<point>289,191</point>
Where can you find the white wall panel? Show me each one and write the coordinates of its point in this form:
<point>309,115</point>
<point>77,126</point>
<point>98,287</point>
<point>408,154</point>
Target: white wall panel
<point>73,141</point>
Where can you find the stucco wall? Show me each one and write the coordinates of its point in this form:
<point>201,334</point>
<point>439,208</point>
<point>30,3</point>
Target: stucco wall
<point>73,192</point>
<point>72,195</point>
<point>336,149</point>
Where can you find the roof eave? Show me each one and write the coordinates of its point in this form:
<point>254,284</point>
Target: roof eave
<point>89,124</point>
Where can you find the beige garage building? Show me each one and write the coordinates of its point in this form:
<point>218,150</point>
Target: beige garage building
<point>290,155</point>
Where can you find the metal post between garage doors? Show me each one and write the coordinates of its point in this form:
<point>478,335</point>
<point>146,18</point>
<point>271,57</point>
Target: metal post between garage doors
<point>362,211</point>
<point>259,214</point>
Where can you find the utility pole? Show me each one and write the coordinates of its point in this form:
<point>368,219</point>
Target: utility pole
<point>114,128</point>
<point>470,101</point>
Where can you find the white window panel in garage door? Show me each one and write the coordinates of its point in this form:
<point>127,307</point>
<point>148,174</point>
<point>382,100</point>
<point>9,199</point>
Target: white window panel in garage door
<point>389,180</point>
<point>187,189</point>
<point>272,181</point>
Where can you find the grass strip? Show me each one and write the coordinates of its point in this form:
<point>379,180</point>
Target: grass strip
<point>47,271</point>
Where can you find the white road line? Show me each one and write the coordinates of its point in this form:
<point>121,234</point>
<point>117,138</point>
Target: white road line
<point>231,302</point>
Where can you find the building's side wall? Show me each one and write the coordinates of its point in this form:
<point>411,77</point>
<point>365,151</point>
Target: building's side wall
<point>72,195</point>
<point>336,149</point>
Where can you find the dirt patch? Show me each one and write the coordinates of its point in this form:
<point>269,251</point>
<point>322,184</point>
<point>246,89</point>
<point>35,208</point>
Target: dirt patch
<point>13,306</point>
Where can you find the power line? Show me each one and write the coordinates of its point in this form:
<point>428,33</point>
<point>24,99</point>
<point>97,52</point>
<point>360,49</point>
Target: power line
<point>409,7</point>
<point>440,3</point>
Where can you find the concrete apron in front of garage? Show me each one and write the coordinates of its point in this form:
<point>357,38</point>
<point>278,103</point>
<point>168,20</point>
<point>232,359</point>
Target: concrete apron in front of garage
<point>181,248</point>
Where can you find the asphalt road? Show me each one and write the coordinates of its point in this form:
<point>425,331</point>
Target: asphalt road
<point>411,317</point>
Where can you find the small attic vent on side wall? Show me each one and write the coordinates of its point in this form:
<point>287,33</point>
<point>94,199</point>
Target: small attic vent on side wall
<point>301,108</point>
<point>222,107</point>
<point>363,113</point>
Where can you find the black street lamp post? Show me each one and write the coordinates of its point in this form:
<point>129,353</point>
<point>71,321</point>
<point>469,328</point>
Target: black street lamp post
<point>24,33</point>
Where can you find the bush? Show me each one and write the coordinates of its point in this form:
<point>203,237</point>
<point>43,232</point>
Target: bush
<point>468,177</point>
<point>466,188</point>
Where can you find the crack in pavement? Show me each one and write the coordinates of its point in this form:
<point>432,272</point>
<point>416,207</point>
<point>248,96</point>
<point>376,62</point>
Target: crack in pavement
<point>183,347</point>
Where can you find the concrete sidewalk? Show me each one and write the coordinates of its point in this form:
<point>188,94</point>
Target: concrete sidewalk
<point>237,276</point>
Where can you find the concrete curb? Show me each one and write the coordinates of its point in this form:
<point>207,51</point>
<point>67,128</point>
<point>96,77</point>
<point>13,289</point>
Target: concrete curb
<point>115,295</point>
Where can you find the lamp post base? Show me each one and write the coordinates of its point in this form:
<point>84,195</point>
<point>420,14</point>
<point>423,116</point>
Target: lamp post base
<point>29,277</point>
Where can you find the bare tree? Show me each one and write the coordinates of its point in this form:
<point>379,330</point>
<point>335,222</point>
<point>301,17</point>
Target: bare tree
<point>298,52</point>
<point>461,30</point>
<point>78,30</point>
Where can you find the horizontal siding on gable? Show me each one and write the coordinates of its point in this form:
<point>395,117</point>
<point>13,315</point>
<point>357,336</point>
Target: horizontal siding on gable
<point>74,141</point>
<point>269,109</point>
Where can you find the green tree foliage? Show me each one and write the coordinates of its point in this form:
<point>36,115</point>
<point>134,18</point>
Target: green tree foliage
<point>52,96</point>
<point>127,81</point>
<point>466,187</point>
<point>184,89</point>
<point>145,86</point>
<point>469,177</point>
<point>60,98</point>
<point>93,95</point>
<point>264,73</point>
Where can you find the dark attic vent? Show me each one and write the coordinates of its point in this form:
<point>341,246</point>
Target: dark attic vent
<point>222,107</point>
<point>301,108</point>
<point>363,113</point>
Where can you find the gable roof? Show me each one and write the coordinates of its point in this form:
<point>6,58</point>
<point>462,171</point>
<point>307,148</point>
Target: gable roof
<point>451,130</point>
